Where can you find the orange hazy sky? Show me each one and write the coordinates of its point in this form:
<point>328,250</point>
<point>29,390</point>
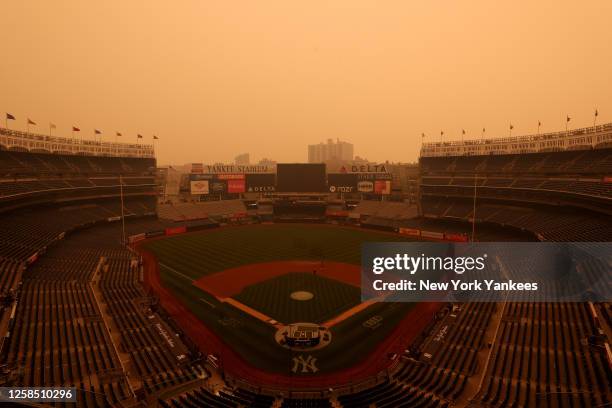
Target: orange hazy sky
<point>268,77</point>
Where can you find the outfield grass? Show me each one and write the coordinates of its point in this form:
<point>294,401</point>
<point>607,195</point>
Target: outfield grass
<point>185,258</point>
<point>200,254</point>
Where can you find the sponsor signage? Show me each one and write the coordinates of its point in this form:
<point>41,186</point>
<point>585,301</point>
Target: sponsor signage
<point>231,176</point>
<point>382,187</point>
<point>410,231</point>
<point>199,187</point>
<point>431,234</point>
<point>364,168</point>
<point>261,183</point>
<point>175,230</point>
<point>236,185</point>
<point>365,186</point>
<point>197,168</point>
<point>374,176</point>
<point>342,182</point>
<point>456,237</point>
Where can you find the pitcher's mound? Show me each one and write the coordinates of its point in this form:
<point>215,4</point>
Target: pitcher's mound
<point>301,295</point>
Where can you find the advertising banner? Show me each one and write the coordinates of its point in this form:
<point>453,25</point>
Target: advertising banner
<point>199,187</point>
<point>365,186</point>
<point>236,185</point>
<point>342,182</point>
<point>176,230</point>
<point>382,187</point>
<point>410,231</point>
<point>229,176</point>
<point>431,234</point>
<point>260,183</point>
<point>456,237</point>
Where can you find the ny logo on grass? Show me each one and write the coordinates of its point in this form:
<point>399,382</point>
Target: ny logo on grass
<point>308,364</point>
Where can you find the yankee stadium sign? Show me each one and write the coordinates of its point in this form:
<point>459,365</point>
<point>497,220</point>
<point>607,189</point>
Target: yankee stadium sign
<point>233,168</point>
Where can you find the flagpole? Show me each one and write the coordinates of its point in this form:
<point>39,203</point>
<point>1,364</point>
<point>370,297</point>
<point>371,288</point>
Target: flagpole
<point>122,212</point>
<point>474,210</point>
<point>594,128</point>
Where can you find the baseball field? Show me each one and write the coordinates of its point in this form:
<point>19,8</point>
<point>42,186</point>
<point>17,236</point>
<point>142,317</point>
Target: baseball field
<point>242,283</point>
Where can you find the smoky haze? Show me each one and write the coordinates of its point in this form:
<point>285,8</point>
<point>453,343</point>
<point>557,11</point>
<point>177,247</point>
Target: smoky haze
<point>218,78</point>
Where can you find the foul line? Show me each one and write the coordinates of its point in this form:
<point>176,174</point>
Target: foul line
<point>176,272</point>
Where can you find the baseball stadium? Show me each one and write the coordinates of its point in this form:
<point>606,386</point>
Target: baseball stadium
<point>306,204</point>
<point>236,286</point>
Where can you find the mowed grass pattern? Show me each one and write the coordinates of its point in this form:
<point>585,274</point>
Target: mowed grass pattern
<point>195,255</point>
<point>272,298</point>
<point>200,254</point>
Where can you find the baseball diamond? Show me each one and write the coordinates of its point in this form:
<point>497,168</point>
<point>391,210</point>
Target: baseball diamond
<point>203,271</point>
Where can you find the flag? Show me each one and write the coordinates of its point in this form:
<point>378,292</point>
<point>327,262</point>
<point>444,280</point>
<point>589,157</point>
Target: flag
<point>155,137</point>
<point>97,132</point>
<point>463,131</point>
<point>441,133</point>
<point>10,117</point>
<point>596,113</point>
<point>75,129</point>
<point>52,126</point>
<point>422,135</point>
<point>31,122</point>
<point>568,118</point>
<point>539,123</point>
<point>139,136</point>
<point>511,127</point>
<point>118,134</point>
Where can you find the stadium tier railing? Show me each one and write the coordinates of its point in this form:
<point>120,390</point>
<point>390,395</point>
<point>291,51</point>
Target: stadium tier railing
<point>34,142</point>
<point>583,138</point>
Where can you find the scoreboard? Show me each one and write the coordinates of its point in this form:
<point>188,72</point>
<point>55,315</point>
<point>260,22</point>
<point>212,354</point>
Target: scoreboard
<point>301,178</point>
<point>291,178</point>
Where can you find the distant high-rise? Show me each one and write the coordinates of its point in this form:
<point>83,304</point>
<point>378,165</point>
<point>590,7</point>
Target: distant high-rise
<point>243,159</point>
<point>323,152</point>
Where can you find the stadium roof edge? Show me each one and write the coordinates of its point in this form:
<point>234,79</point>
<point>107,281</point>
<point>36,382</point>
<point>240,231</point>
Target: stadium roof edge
<point>577,139</point>
<point>34,142</point>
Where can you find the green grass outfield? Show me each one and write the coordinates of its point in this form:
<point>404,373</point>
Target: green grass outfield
<point>184,258</point>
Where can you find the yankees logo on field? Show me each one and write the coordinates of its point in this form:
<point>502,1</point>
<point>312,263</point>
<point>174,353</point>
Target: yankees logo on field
<point>304,365</point>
